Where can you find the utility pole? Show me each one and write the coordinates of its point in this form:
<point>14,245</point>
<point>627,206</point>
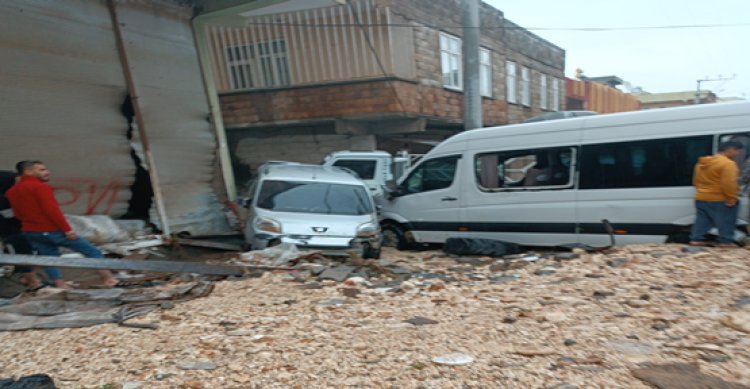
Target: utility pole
<point>472,96</point>
<point>698,89</point>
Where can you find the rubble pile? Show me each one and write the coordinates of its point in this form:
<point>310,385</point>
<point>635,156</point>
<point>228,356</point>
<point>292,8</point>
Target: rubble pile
<point>629,318</point>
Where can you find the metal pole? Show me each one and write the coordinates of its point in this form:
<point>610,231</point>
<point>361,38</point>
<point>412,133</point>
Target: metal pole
<point>472,97</point>
<point>698,93</point>
<point>158,197</point>
<point>204,56</point>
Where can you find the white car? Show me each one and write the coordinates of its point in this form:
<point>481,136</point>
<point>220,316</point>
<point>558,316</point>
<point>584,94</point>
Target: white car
<point>313,207</point>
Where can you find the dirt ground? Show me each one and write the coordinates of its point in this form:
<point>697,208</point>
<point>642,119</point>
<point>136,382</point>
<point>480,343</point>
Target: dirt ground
<point>562,322</point>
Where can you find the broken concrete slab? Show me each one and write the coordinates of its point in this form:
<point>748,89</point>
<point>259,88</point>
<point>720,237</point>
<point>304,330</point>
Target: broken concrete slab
<point>681,376</point>
<point>339,273</point>
<point>122,264</point>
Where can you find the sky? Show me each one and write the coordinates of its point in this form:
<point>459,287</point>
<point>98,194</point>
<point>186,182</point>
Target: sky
<point>657,60</point>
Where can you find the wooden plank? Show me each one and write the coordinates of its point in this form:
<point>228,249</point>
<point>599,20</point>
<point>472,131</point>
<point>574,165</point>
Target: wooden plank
<point>124,264</point>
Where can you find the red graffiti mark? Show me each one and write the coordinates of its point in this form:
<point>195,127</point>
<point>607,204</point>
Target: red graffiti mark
<point>86,194</point>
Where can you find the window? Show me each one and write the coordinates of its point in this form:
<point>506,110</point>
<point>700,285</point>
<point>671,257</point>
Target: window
<point>240,60</point>
<point>260,65</point>
<point>314,197</point>
<point>642,164</point>
<point>485,72</point>
<point>365,169</point>
<point>548,168</point>
<point>274,63</point>
<point>510,81</point>
<point>525,86</point>
<point>543,92</point>
<point>450,57</point>
<point>431,175</point>
<point>555,94</point>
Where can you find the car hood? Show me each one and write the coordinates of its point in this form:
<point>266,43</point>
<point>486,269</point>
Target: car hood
<point>293,223</point>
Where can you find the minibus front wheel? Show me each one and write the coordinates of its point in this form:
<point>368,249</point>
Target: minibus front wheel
<point>394,235</point>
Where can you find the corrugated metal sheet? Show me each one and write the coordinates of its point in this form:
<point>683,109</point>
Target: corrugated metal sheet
<point>60,90</point>
<point>61,87</point>
<point>164,63</point>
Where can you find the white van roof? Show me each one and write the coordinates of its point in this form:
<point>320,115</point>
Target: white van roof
<point>300,172</point>
<point>360,154</point>
<point>703,111</point>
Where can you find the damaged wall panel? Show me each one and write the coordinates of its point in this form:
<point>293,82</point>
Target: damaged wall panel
<point>164,64</point>
<point>61,87</point>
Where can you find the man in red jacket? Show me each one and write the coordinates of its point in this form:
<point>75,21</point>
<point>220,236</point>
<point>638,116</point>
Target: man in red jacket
<point>43,223</point>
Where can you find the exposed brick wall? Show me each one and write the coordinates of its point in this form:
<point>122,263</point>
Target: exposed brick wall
<point>351,100</point>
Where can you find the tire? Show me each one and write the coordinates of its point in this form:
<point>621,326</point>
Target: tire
<point>394,235</point>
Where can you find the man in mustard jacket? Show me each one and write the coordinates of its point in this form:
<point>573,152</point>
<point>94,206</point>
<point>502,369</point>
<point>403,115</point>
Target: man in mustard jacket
<point>716,194</point>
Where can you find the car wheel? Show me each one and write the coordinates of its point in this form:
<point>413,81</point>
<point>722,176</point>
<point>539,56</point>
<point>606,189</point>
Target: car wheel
<point>394,235</point>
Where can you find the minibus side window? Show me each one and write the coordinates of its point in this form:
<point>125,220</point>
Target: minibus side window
<point>743,159</point>
<point>642,164</point>
<point>434,174</point>
<point>550,168</point>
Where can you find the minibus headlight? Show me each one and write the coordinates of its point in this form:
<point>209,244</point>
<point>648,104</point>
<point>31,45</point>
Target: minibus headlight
<point>368,230</point>
<point>267,224</point>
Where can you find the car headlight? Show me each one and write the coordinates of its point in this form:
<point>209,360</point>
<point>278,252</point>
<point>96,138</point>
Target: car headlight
<point>368,230</point>
<point>267,224</point>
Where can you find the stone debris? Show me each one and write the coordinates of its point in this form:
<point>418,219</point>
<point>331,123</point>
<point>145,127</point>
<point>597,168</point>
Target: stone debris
<point>454,359</point>
<point>682,376</point>
<point>385,323</point>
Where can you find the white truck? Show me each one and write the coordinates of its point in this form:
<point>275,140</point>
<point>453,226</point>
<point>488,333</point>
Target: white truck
<point>375,168</point>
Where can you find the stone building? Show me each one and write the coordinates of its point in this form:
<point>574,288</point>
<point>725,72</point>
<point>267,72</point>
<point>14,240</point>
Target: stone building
<point>297,80</point>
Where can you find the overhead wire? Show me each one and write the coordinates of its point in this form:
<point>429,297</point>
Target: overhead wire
<point>581,29</point>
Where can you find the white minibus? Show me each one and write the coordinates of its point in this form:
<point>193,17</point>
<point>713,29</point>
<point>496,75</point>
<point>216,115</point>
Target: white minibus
<point>551,183</point>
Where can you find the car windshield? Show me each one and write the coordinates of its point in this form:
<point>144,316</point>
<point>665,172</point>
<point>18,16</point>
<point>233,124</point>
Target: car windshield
<point>314,197</point>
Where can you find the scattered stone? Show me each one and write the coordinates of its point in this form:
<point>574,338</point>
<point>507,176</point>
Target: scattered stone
<point>601,294</point>
<point>338,273</point>
<point>311,285</point>
<point>638,303</point>
<point>681,376</point>
<point>350,292</point>
<point>454,359</point>
<point>563,385</point>
<point>595,275</point>
<point>196,365</point>
<point>332,302</point>
<point>502,279</point>
<point>555,317</point>
<point>356,281</point>
<point>566,256</point>
<point>630,347</point>
<point>693,249</point>
<point>739,321</point>
<point>742,302</point>
<point>660,326</point>
<point>535,352</point>
<point>715,358</point>
<point>473,261</point>
<point>544,272</point>
<point>510,319</point>
<point>617,262</point>
<point>398,270</point>
<point>132,385</point>
<point>570,342</point>
<point>436,285</point>
<point>420,321</point>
